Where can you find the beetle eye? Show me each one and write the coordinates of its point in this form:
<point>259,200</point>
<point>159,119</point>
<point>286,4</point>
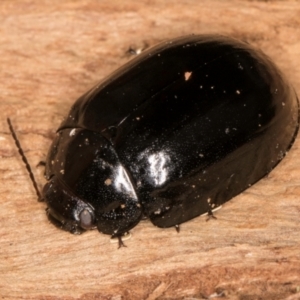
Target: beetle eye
<point>86,219</point>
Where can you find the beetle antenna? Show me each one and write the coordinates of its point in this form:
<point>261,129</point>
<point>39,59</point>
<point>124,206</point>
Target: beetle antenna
<point>24,159</point>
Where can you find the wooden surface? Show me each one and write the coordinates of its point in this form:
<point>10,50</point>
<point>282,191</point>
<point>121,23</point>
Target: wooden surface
<point>53,51</point>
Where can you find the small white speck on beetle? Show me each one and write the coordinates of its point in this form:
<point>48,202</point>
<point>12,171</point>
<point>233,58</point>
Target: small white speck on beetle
<point>187,75</point>
<point>201,155</point>
<point>208,200</point>
<point>201,86</point>
<point>108,181</point>
<point>86,142</point>
<point>137,118</point>
<point>238,92</point>
<point>212,87</point>
<point>62,171</point>
<point>72,132</point>
<point>227,130</point>
<point>283,103</point>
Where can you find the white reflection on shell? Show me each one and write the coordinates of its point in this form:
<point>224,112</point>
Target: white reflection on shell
<point>158,170</point>
<point>122,182</point>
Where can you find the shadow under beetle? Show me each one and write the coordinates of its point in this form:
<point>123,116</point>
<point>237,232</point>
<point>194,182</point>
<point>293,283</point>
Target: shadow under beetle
<point>173,134</point>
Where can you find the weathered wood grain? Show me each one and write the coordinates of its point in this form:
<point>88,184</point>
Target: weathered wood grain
<point>53,51</point>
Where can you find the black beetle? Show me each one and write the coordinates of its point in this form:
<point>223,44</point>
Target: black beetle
<point>177,131</point>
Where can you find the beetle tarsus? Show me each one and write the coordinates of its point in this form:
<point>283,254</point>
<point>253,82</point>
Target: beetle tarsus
<point>134,51</point>
<point>210,215</point>
<point>41,199</point>
<point>120,242</point>
<point>41,164</point>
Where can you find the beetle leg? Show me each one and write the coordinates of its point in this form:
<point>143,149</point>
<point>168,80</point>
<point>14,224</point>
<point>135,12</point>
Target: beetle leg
<point>41,164</point>
<point>210,215</point>
<point>144,217</point>
<point>120,242</point>
<point>134,51</point>
<point>125,235</point>
<point>177,228</point>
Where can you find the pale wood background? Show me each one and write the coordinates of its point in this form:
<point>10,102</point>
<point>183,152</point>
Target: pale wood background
<point>53,51</point>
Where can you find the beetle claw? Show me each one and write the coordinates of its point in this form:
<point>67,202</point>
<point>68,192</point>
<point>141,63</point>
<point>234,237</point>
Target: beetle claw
<point>210,215</point>
<point>177,228</point>
<point>41,164</point>
<point>120,242</point>
<point>41,199</point>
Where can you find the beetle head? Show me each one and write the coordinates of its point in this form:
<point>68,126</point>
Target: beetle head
<point>65,210</point>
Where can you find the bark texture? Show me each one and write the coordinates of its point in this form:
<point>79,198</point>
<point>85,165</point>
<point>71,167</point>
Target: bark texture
<point>53,51</point>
